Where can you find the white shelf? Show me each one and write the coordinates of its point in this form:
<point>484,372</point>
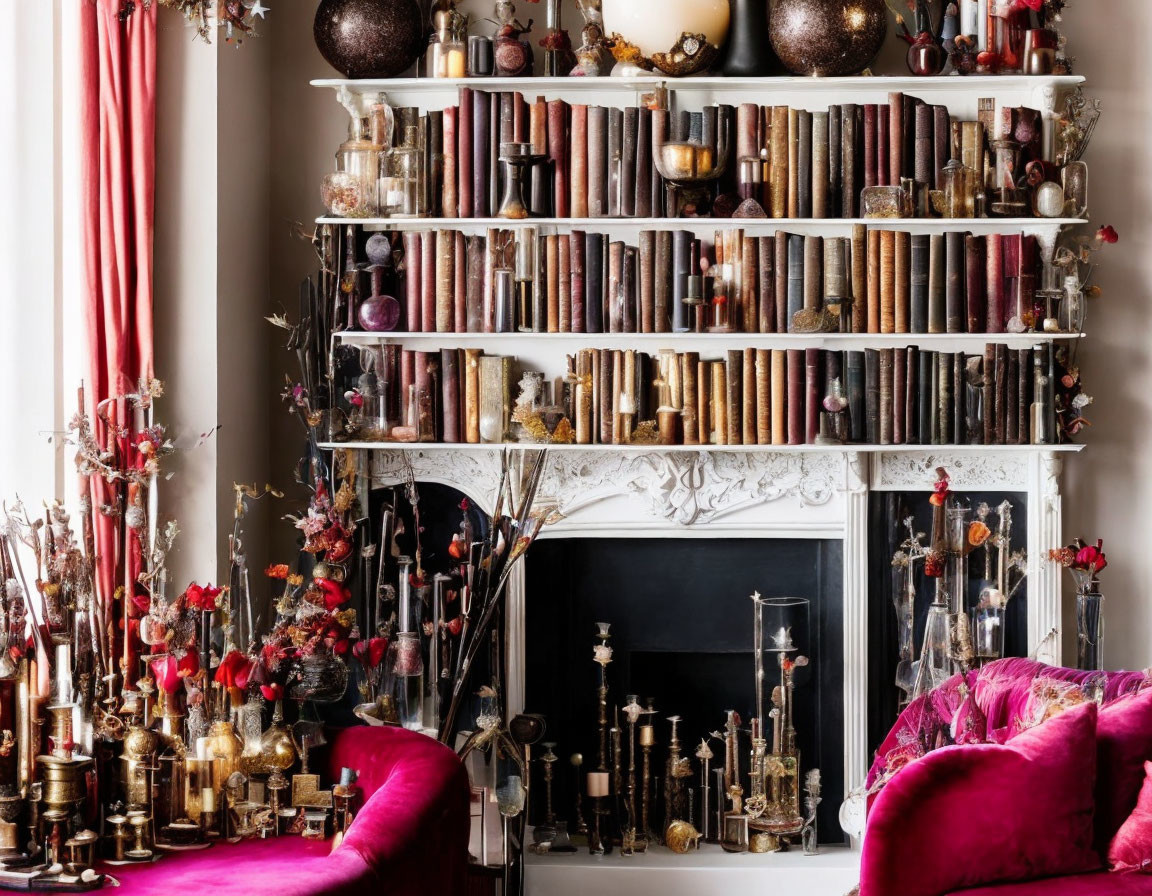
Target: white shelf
<point>651,342</point>
<point>697,449</point>
<point>708,225</point>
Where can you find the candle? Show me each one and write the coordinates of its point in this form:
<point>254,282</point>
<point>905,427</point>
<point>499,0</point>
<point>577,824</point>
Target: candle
<point>207,800</point>
<point>202,748</point>
<point>679,159</point>
<point>647,736</point>
<point>597,784</point>
<point>455,65</point>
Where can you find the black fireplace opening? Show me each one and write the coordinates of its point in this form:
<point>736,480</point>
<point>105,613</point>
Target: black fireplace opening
<point>681,620</point>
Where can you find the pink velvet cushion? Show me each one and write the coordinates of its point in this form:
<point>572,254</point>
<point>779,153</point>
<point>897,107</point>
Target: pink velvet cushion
<point>966,816</point>
<point>1131,848</point>
<point>1124,742</point>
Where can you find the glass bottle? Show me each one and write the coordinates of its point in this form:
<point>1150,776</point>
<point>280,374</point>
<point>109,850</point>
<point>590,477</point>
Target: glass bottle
<point>956,197</point>
<point>1074,178</point>
<point>446,56</point>
<point>1007,25</point>
<point>1089,630</point>
<point>224,749</point>
<point>401,184</point>
<point>277,752</point>
<point>408,670</point>
<point>1072,309</point>
<point>350,191</point>
<point>1006,196</point>
<point>935,663</point>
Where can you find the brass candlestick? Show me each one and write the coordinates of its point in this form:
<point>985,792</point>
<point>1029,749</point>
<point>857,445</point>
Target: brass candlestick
<point>704,754</point>
<point>602,655</point>
<point>647,742</point>
<point>632,842</point>
<point>676,771</point>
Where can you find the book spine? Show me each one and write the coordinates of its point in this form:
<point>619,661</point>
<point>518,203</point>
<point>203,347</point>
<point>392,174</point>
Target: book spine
<point>942,127</point>
<point>937,321</point>
<point>628,170</point>
<point>681,269</point>
<point>552,282</point>
<point>945,395</point>
<point>766,250</point>
<point>850,199</point>
<point>780,266</point>
<point>954,295</point>
<point>886,363</point>
<point>750,282</point>
<point>819,175</point>
<point>472,395</point>
<point>564,282</point>
<point>412,259</point>
<point>926,399</point>
<point>795,406</point>
<point>934,400</point>
<point>959,399</point>
<point>481,127</point>
<point>476,251</point>
<point>583,396</point>
<point>835,169</point>
<point>748,385</point>
<point>874,281</point>
<point>630,275</point>
<point>899,395</point>
<point>778,159</point>
<point>988,388</point>
<point>812,391</point>
<point>577,249</point>
<point>704,401</point>
<point>902,274</point>
<point>895,137</point>
<point>689,365</point>
<point>976,267</point>
<point>495,133</point>
<point>606,398</point>
<point>871,396</point>
<point>431,268</point>
<point>558,142</point>
<point>912,396</point>
<point>445,262</point>
<point>778,384</point>
<point>870,145</point>
<point>449,202</point>
<point>464,153</point>
<point>578,161</point>
<point>793,163</point>
<point>450,393</point>
<point>460,283</point>
<point>859,278</point>
<point>795,277</point>
<point>1000,426</point>
<point>887,281</point>
<point>662,282</point>
<point>616,287</point>
<point>597,161</point>
<point>854,389</point>
<point>614,157</point>
<point>720,426</point>
<point>813,274</point>
<point>734,377</point>
<point>925,158</point>
<point>763,396</point>
<point>1012,399</point>
<point>593,283</point>
<point>919,284</point>
<point>540,176</point>
<point>1023,395</point>
<point>804,165</point>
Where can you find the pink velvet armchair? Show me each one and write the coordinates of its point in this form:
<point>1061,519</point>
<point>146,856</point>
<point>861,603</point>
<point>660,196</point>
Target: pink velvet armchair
<point>409,837</point>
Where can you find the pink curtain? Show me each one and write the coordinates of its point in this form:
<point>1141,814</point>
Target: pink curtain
<point>118,91</point>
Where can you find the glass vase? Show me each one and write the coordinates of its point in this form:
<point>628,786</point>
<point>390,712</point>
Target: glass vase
<point>1089,630</point>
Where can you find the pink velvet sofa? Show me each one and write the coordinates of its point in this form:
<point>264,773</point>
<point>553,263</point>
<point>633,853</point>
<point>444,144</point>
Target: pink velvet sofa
<point>971,784</point>
<point>409,837</point>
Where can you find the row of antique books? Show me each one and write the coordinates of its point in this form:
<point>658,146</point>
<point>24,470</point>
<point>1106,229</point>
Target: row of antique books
<point>585,282</point>
<point>599,161</point>
<point>896,396</point>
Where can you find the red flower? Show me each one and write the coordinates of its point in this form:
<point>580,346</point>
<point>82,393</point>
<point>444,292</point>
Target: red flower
<point>234,670</point>
<point>142,602</point>
<point>455,625</point>
<point>277,571</point>
<point>335,593</point>
<point>1091,558</point>
<point>164,670</point>
<point>940,488</point>
<point>457,547</point>
<point>1108,234</point>
<point>371,652</point>
<point>1033,5</point>
<point>272,692</point>
<point>201,597</point>
<point>188,665</point>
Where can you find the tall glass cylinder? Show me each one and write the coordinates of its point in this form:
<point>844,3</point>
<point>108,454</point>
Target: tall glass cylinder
<point>1089,630</point>
<point>957,523</point>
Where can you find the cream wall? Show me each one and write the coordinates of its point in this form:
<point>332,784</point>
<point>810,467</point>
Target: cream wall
<point>273,138</point>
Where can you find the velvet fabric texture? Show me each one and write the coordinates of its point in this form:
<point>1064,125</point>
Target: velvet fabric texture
<point>1131,848</point>
<point>1124,742</point>
<point>967,816</point>
<point>1099,883</point>
<point>409,838</point>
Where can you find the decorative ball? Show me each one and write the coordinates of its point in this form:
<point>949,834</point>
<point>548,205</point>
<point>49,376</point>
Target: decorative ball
<point>829,38</point>
<point>369,38</point>
<point>378,249</point>
<point>379,314</point>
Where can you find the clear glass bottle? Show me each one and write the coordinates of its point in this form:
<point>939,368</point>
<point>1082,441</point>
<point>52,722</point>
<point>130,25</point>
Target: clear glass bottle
<point>350,191</point>
<point>1072,309</point>
<point>408,670</point>
<point>447,53</point>
<point>956,197</point>
<point>401,181</point>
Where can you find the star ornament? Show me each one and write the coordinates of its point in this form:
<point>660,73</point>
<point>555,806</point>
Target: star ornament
<point>258,9</point>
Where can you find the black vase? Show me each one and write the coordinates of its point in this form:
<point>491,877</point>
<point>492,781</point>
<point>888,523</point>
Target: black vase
<point>369,38</point>
<point>749,53</point>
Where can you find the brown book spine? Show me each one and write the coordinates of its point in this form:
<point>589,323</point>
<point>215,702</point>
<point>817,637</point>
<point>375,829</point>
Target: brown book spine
<point>583,396</point>
<point>886,395</point>
<point>576,241</point>
<point>899,395</point>
<point>734,378</point>
<point>460,283</point>
<point>644,170</point>
<point>902,273</point>
<point>552,265</point>
<point>450,393</point>
<point>795,400</point>
<point>778,160</point>
<point>766,300</point>
<point>762,367</point>
<point>859,278</point>
<point>482,127</point>
<point>617,392</point>
<point>942,126</point>
<point>689,364</point>
<point>1011,417</point>
<point>813,273</point>
<point>616,287</point>
<point>464,154</point>
<point>474,298</point>
<point>630,275</point>
<point>989,390</point>
<point>472,395</point>
<point>780,265</point>
<point>564,281</point>
<point>874,280</point>
<point>820,161</point>
<point>704,401</point>
<point>558,142</point>
<point>793,163</point>
<point>748,413</point>
<point>994,283</point>
<point>662,283</point>
<point>849,162</point>
<point>883,142</point>
<point>749,283</point>
<point>925,160</point>
<point>895,137</point>
<point>448,198</point>
<point>955,298</point>
<point>937,284</point>
<point>720,427</point>
<point>887,281</point>
<point>597,161</point>
<point>578,159</point>
<point>1023,395</point>
<point>1001,420</point>
<point>870,145</point>
<point>813,386</point>
<point>429,280</point>
<point>647,281</point>
<point>606,394</point>
<point>944,409</point>
<point>779,385</point>
<point>412,259</point>
<point>976,267</point>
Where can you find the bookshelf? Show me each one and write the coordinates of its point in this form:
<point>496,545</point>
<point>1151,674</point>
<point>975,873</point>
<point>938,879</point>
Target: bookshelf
<point>426,447</point>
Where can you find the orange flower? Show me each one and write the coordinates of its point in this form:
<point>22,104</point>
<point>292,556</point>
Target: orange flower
<point>277,571</point>
<point>978,533</point>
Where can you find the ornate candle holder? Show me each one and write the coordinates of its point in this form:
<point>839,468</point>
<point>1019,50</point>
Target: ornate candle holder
<point>602,656</point>
<point>634,840</point>
<point>647,742</point>
<point>690,164</point>
<point>704,754</point>
<point>517,159</point>
<point>677,770</point>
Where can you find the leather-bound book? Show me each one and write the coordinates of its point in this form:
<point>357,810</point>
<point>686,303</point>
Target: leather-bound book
<point>430,422</point>
<point>558,143</point>
<point>596,389</point>
<point>859,278</point>
<point>1012,399</point>
<point>642,203</point>
<point>793,163</point>
<point>495,132</point>
<point>1011,244</point>
<point>734,377</point>
<point>780,265</point>
<point>475,251</point>
<point>944,396</point>
<point>955,298</point>
<point>854,390</point>
<point>902,274</point>
<point>795,277</point>
<point>749,283</point>
<point>870,145</point>
<point>918,283</point>
<point>615,287</point>
<point>584,396</point>
<point>883,142</point>
<point>540,176</point>
<point>448,199</point>
<point>887,281</point>
<point>778,160</point>
<point>1000,427</point>
<point>646,283</point>
<point>975,282</point>
<point>472,395</point>
<point>925,158</point>
<point>460,284</point>
<point>874,281</point>
<point>796,391</point>
<point>450,393</point>
<point>659,132</point>
<point>721,429</point>
<point>432,140</point>
<point>681,268</point>
<point>1023,395</point>
<point>835,274</point>
<point>937,317</point>
<point>912,395</point>
<point>926,393</point>
<point>941,128</point>
<point>779,386</point>
<point>412,276</point>
<point>578,161</point>
<point>899,395</point>
<point>762,365</point>
<point>689,363</point>
<point>747,131</point>
<point>629,138</point>
<point>994,284</point>
<point>464,153</point>
<point>662,280</point>
<point>813,273</point>
<point>430,277</point>
<point>493,240</point>
<point>444,259</point>
<point>813,386</point>
<point>748,418</point>
<point>871,396</point>
<point>849,162</point>
<point>629,281</point>
<point>908,153</point>
<point>481,130</point>
<point>552,282</point>
<point>577,249</point>
<point>887,396</point>
<point>835,167</point>
<point>597,161</point>
<point>594,261</point>
<point>1026,277</point>
<point>804,164</point>
<point>895,137</point>
<point>564,281</point>
<point>704,402</point>
<point>766,318</point>
<point>988,400</point>
<point>959,399</point>
<point>614,158</point>
<point>606,396</point>
<point>619,383</point>
<point>819,175</point>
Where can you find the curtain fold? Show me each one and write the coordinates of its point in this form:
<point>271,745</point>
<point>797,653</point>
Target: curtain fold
<point>118,120</point>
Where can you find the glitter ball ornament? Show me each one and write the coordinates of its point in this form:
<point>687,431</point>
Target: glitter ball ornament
<point>369,38</point>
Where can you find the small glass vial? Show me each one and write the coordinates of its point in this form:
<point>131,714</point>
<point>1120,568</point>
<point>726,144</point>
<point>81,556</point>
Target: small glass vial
<point>350,191</point>
<point>447,53</point>
<point>1072,311</point>
<point>401,187</point>
<point>958,189</point>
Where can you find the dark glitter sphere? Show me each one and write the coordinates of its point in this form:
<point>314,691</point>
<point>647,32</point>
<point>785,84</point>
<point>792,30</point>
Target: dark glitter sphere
<point>369,38</point>
<point>829,38</point>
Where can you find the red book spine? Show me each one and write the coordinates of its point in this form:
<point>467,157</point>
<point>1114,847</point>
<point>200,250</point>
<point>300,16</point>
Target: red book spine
<point>994,279</point>
<point>412,259</point>
<point>450,393</point>
<point>428,282</point>
<point>941,141</point>
<point>812,389</point>
<point>579,164</point>
<point>464,154</point>
<point>883,146</point>
<point>407,381</point>
<point>895,137</point>
<point>558,156</point>
<point>460,285</point>
<point>1011,276</point>
<point>976,264</point>
<point>564,275</point>
<point>870,158</point>
<point>795,396</point>
<point>576,250</point>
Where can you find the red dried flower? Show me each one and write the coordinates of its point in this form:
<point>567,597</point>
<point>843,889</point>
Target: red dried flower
<point>272,692</point>
<point>201,597</point>
<point>1108,234</point>
<point>277,571</point>
<point>371,652</point>
<point>1091,558</point>
<point>455,625</point>
<point>334,593</point>
<point>234,670</point>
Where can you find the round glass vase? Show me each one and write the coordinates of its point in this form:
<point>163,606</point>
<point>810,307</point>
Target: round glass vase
<point>1089,630</point>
